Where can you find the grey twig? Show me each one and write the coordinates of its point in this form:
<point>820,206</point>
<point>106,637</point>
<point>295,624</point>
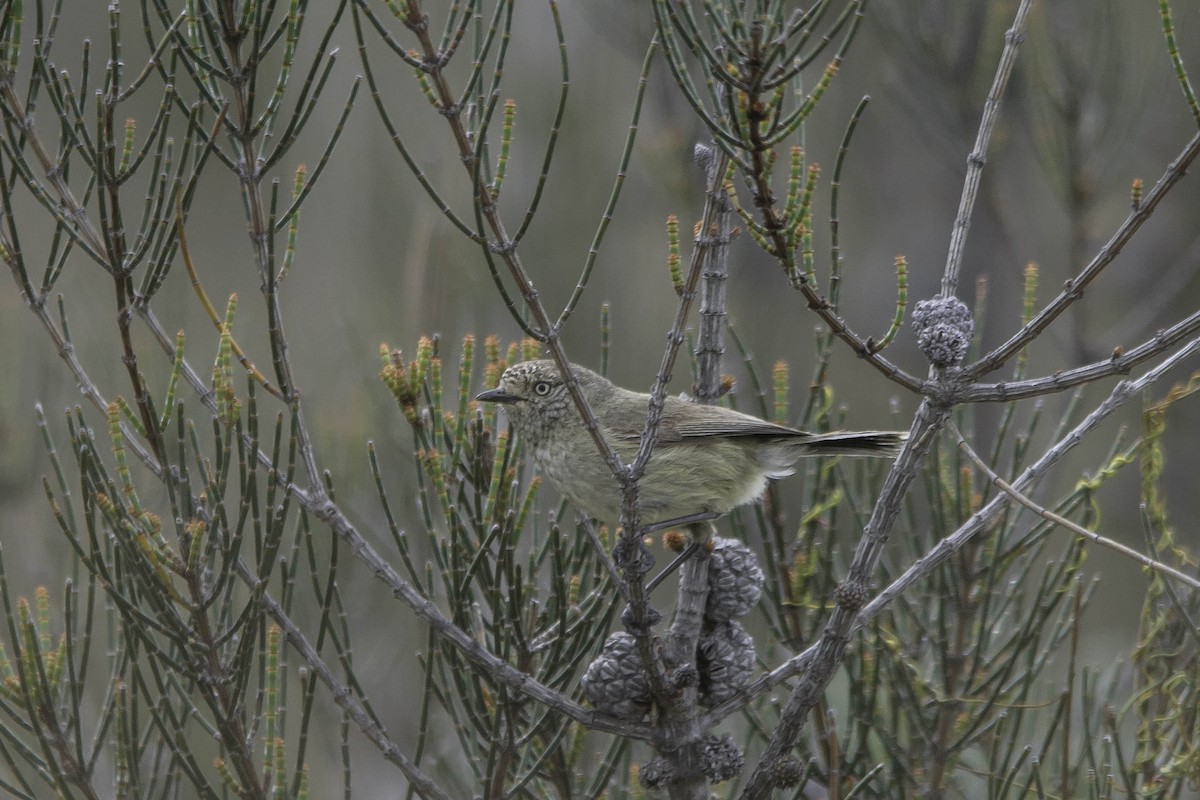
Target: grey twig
<point>343,696</point>
<point>978,156</point>
<point>709,346</point>
<point>980,521</point>
<point>1119,363</point>
<point>823,657</point>
<point>1073,289</point>
<point>829,649</point>
<point>630,513</point>
<point>1062,521</point>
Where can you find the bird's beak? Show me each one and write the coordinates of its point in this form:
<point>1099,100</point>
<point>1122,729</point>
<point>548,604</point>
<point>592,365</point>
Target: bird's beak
<point>496,396</point>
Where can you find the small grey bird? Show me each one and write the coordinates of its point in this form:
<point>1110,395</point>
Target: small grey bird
<point>706,458</point>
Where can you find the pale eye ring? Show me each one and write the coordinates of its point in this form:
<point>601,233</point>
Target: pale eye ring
<point>541,388</point>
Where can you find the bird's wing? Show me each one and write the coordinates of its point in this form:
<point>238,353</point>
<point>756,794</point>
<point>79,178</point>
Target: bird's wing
<point>707,421</point>
<point>684,420</point>
<point>687,422</point>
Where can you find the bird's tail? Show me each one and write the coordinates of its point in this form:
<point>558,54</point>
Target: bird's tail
<point>855,443</point>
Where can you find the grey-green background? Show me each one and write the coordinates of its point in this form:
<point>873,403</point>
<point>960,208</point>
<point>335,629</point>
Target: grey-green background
<point>1094,104</point>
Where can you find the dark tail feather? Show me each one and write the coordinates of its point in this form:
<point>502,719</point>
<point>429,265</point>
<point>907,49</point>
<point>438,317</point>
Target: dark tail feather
<point>855,443</point>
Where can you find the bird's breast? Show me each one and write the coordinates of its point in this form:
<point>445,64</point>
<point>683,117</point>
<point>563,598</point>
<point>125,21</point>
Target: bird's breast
<point>577,471</point>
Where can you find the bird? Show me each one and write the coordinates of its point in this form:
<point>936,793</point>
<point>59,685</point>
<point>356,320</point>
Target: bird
<point>706,459</point>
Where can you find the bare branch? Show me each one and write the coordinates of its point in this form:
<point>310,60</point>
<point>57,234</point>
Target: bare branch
<point>1060,520</point>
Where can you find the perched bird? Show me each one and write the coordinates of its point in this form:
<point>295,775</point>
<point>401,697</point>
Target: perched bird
<point>706,458</point>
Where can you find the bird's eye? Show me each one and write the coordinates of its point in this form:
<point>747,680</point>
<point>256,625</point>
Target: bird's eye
<point>541,388</point>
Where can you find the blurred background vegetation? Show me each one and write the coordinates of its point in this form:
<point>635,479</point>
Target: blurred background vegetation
<point>1093,106</point>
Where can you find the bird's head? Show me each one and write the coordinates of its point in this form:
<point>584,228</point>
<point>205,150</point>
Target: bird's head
<point>534,397</point>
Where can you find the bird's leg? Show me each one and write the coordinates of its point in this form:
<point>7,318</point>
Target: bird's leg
<point>687,553</point>
<point>690,521</point>
<point>703,530</point>
<point>699,533</point>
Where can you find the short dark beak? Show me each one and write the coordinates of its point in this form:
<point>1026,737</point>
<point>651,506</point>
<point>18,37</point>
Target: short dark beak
<point>496,396</point>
